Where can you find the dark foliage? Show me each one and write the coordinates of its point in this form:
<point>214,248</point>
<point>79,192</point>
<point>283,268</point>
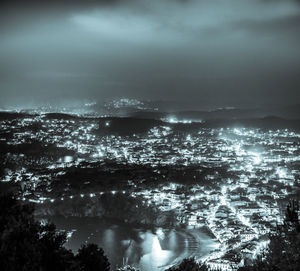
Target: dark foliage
<point>189,264</point>
<point>26,245</point>
<point>292,212</point>
<point>283,252</point>
<point>92,258</point>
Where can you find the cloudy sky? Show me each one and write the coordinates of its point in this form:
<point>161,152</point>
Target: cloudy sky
<point>216,52</point>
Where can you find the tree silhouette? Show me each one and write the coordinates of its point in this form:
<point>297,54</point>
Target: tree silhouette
<point>92,258</point>
<point>189,264</point>
<point>54,255</point>
<point>26,245</point>
<point>19,235</point>
<point>283,252</point>
<point>292,210</point>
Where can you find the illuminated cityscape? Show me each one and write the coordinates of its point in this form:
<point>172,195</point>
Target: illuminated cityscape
<point>149,135</point>
<point>231,182</point>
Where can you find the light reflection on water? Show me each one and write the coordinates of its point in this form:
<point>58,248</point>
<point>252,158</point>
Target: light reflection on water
<point>150,250</point>
<point>157,256</point>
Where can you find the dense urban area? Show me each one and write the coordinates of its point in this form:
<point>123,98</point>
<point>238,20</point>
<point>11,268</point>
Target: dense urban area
<point>234,183</point>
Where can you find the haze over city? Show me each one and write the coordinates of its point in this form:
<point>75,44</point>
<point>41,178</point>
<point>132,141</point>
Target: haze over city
<point>224,53</point>
<point>150,135</point>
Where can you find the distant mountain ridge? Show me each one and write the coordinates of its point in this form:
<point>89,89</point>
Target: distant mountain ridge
<point>135,108</point>
<point>141,123</point>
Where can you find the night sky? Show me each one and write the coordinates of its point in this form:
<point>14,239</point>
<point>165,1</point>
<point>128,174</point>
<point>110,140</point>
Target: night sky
<point>209,52</point>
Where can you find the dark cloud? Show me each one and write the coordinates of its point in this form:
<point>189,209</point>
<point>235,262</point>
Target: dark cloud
<point>213,52</point>
<point>284,26</point>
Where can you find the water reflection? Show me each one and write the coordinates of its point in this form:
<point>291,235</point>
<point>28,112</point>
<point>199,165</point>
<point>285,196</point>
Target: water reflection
<point>172,239</point>
<point>147,249</point>
<point>109,239</point>
<point>157,257</point>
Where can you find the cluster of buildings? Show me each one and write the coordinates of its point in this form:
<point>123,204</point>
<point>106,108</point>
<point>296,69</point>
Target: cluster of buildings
<point>239,208</point>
